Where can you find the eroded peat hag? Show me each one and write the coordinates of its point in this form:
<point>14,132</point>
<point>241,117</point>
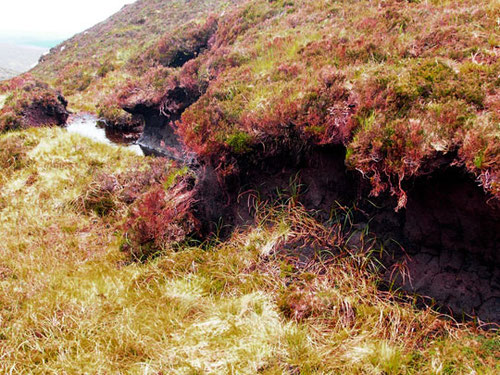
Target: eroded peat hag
<point>447,244</point>
<point>328,203</point>
<point>437,225</point>
<point>26,102</point>
<point>158,137</point>
<point>442,247</point>
<point>452,231</point>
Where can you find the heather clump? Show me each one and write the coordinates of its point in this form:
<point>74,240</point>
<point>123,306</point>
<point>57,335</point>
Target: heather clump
<point>88,67</point>
<point>109,194</point>
<point>159,221</point>
<point>155,200</point>
<point>28,102</point>
<point>167,76</point>
<point>409,120</point>
<point>184,44</point>
<point>75,77</point>
<point>147,90</point>
<point>115,117</point>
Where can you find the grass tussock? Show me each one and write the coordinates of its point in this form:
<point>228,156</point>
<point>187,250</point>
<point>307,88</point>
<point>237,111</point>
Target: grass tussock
<point>287,295</point>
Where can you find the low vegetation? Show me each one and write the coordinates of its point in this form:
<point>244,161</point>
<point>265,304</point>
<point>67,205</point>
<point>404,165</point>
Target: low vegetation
<point>26,102</point>
<point>103,268</point>
<point>286,295</point>
<point>401,84</point>
<point>88,67</point>
<point>398,83</point>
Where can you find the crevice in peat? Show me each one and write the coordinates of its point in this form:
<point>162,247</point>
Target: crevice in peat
<point>443,245</point>
<point>451,233</point>
<point>158,136</point>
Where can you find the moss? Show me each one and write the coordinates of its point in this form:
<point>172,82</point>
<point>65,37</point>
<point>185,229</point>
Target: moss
<point>471,86</point>
<point>239,142</point>
<point>428,78</point>
<point>173,176</point>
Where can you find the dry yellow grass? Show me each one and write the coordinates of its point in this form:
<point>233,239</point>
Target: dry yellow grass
<point>72,303</point>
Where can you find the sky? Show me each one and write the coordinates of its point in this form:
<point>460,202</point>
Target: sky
<point>52,19</point>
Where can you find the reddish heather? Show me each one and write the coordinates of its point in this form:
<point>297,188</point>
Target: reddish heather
<point>159,220</point>
<point>402,85</point>
<point>376,77</point>
<point>30,103</point>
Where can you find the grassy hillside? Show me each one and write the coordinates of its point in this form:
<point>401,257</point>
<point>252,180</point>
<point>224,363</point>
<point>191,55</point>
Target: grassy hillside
<point>72,302</point>
<point>90,65</point>
<point>399,83</point>
<point>103,264</point>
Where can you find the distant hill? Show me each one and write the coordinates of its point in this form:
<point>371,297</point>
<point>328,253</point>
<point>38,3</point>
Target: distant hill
<point>15,59</point>
<point>7,73</point>
<point>34,40</point>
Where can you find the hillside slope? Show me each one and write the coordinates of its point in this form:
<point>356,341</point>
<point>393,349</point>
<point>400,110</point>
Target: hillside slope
<point>399,84</point>
<point>90,65</point>
<point>331,193</point>
<point>359,98</point>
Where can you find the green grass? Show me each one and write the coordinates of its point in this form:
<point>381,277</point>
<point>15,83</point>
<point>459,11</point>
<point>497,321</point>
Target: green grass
<point>72,302</point>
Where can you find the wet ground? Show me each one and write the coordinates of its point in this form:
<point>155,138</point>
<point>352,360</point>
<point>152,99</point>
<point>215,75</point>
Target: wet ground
<point>89,126</point>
